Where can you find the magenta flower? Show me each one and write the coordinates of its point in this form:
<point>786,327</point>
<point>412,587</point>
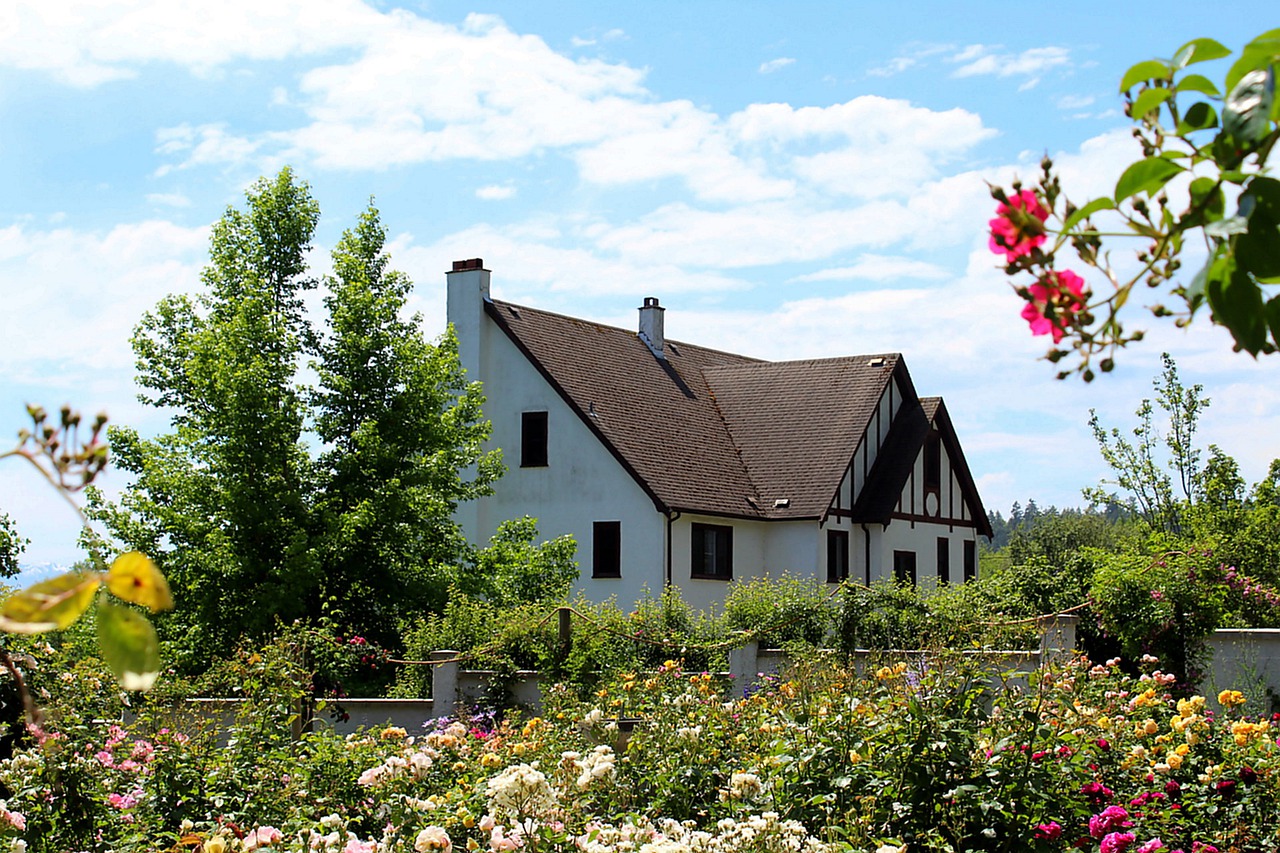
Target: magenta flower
<point>1053,298</point>
<point>1097,792</point>
<point>1050,831</point>
<point>1110,819</point>
<point>1151,846</point>
<point>1117,842</point>
<point>1018,227</point>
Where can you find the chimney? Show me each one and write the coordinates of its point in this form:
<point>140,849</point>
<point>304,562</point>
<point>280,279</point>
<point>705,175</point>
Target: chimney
<point>468,291</point>
<point>651,326</point>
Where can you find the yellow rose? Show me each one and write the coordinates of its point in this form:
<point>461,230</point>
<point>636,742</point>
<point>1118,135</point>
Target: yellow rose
<point>1230,698</point>
<point>214,844</point>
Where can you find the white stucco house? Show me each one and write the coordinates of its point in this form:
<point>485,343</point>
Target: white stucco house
<point>671,463</point>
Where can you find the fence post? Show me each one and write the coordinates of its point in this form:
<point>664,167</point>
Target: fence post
<point>1057,636</point>
<point>444,683</point>
<point>565,633</point>
<point>742,666</point>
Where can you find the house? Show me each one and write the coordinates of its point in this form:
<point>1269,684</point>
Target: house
<point>672,463</point>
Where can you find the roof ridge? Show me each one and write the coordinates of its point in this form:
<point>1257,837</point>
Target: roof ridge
<point>701,347</point>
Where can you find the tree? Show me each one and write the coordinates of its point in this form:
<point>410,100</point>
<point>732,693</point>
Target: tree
<point>11,546</point>
<point>254,517</point>
<point>1221,152</point>
<point>1150,481</point>
<point>400,424</point>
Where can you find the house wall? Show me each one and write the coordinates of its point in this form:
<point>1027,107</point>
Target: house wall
<point>760,549</point>
<point>582,482</point>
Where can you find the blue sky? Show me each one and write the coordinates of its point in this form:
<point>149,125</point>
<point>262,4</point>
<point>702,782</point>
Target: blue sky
<point>791,180</point>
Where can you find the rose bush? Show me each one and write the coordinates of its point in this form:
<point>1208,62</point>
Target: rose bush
<point>944,752</point>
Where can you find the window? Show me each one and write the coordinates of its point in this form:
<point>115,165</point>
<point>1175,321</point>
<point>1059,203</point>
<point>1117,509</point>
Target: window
<point>606,549</point>
<point>533,439</point>
<point>932,462</point>
<point>712,556</point>
<point>904,567</point>
<point>970,560</point>
<point>837,555</point>
<point>944,560</point>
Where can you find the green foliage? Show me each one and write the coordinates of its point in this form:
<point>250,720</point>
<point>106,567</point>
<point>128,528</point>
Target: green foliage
<point>512,571</point>
<point>1158,484</point>
<point>11,546</point>
<point>255,517</point>
<point>1168,606</point>
<point>801,609</point>
<point>1186,126</point>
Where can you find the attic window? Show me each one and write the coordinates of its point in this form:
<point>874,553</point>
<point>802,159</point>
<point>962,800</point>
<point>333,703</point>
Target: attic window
<point>878,361</point>
<point>515,312</point>
<point>533,439</point>
<point>782,503</point>
<point>673,348</point>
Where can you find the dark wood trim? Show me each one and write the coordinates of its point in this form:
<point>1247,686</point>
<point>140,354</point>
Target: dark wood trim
<point>924,519</point>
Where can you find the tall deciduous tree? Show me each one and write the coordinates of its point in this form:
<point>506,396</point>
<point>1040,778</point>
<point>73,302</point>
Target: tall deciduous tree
<point>251,522</point>
<point>400,426</point>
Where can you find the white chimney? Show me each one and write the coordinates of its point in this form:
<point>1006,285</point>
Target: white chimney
<point>468,291</point>
<point>651,326</point>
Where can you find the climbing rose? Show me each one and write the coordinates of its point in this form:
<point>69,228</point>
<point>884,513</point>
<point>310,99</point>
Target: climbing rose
<point>1109,820</point>
<point>1117,842</point>
<point>1152,846</point>
<point>1062,290</point>
<point>1050,831</point>
<point>1017,228</point>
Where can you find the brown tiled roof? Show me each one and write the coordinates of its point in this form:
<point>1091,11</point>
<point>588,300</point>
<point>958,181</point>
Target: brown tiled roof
<point>708,431</point>
<point>796,424</point>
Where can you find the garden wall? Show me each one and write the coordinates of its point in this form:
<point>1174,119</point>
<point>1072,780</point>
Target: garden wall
<point>1246,660</point>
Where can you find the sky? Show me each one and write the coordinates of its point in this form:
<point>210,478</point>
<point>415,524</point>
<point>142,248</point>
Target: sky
<point>792,180</point>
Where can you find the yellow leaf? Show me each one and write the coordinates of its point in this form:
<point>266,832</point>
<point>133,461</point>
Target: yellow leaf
<point>129,646</point>
<point>49,605</point>
<point>136,579</point>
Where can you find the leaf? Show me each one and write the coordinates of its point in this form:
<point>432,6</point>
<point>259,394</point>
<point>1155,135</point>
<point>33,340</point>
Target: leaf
<point>1146,176</point>
<point>1246,113</point>
<point>1257,54</point>
<point>1151,69</point>
<point>1149,100</point>
<point>129,646</point>
<point>1237,304</point>
<point>49,605</point>
<point>1198,83</point>
<point>1199,116</point>
<point>1199,50</point>
<point>1273,317</point>
<point>136,579</point>
<point>1227,227</point>
<point>1088,210</point>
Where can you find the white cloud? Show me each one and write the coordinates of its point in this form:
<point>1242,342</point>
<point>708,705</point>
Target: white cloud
<point>169,199</point>
<point>67,274</point>
<point>894,66</point>
<point>776,64</point>
<point>872,267</point>
<point>205,145</point>
<point>496,192</point>
<point>1075,102</point>
<point>981,60</point>
<point>95,43</point>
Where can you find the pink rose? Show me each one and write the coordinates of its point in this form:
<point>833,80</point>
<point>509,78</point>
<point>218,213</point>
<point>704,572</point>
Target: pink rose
<point>1017,228</point>
<point>1050,831</point>
<point>1151,846</point>
<point>1117,842</point>
<point>1109,819</point>
<point>1064,293</point>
